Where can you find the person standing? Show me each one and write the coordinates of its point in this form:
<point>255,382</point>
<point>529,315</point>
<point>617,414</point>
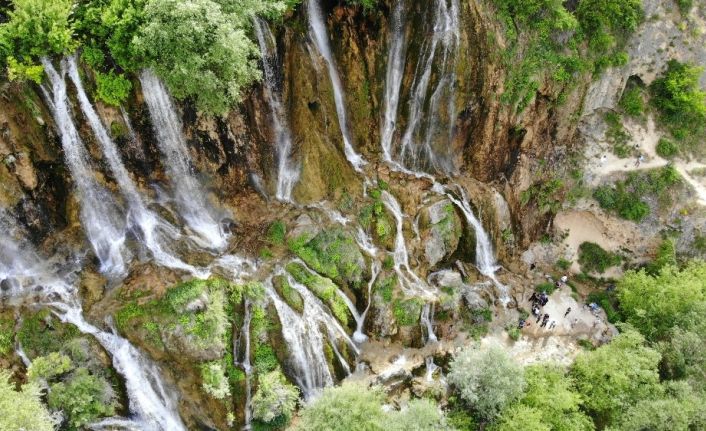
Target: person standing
<point>568,310</point>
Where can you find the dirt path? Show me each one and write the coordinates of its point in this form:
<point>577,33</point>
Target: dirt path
<point>644,139</point>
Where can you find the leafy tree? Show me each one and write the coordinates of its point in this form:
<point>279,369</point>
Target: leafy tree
<point>680,409</point>
<point>83,398</point>
<point>521,417</point>
<point>275,399</point>
<point>655,304</point>
<point>551,393</point>
<point>679,98</point>
<point>419,415</point>
<point>22,410</point>
<point>194,46</point>
<point>616,376</point>
<point>488,380</point>
<point>666,148</point>
<point>684,356</point>
<point>37,28</point>
<point>349,407</point>
<point>666,256</point>
<point>215,382</point>
<point>111,88</point>
<point>602,20</point>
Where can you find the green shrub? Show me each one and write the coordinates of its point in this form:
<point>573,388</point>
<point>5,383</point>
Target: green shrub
<point>214,380</point>
<point>685,5</point>
<point>265,359</point>
<point>667,148</point>
<point>608,302</point>
<point>23,409</point>
<point>627,204</point>
<point>275,399</point>
<point>407,312</point>
<point>593,258</point>
<point>83,398</point>
<point>563,264</point>
<point>112,88</point>
<point>276,232</point>
<point>632,102</point>
<point>547,288</point>
<point>6,336</point>
<point>93,56</point>
<point>679,99</point>
<point>49,367</point>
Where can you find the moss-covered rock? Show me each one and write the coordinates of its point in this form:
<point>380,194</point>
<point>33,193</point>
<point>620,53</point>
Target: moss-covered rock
<point>334,254</point>
<point>440,229</point>
<point>323,288</point>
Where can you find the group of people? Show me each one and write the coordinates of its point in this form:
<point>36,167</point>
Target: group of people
<point>538,301</point>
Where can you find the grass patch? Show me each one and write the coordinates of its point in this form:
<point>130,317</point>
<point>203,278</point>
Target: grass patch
<point>407,312</point>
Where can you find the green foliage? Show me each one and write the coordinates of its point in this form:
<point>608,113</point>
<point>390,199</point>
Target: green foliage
<point>666,256</point>
<point>684,356</point>
<point>385,286</point>
<point>275,399</point>
<point>617,135</point>
<point>608,302</point>
<point>545,194</point>
<point>21,71</point>
<point>547,288</point>
<point>488,380</point>
<point>41,333</point>
<point>265,359</point>
<point>334,254</point>
<point>603,21</point>
<point>521,417</point>
<point>349,407</point>
<point>550,392</point>
<point>48,367</point>
<point>323,288</point>
<point>36,28</point>
<point>288,293</point>
<point>685,5</point>
<point>626,203</point>
<point>199,51</point>
<point>83,398</point>
<point>615,376</point>
<point>655,304</point>
<point>593,258</point>
<point>111,88</point>
<point>214,381</point>
<point>407,311</point>
<point>276,232</point>
<point>22,410</point>
<point>632,102</point>
<point>419,415</point>
<point>681,408</point>
<point>93,57</point>
<point>563,264</point>
<point>6,336</point>
<point>680,100</point>
<point>667,148</point>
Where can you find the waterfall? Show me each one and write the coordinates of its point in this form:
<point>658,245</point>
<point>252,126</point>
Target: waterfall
<point>485,258</point>
<point>188,192</point>
<point>306,347</point>
<point>287,171</point>
<point>393,79</point>
<point>427,322</point>
<point>245,363</point>
<point>100,215</point>
<point>150,403</point>
<point>408,279</point>
<point>438,59</point>
<point>359,336</point>
<point>150,228</point>
<point>320,39</point>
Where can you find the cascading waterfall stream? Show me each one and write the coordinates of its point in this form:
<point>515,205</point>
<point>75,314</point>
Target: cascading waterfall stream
<point>485,258</point>
<point>319,36</point>
<point>150,228</point>
<point>100,215</point>
<point>287,170</point>
<point>188,192</point>
<point>305,343</point>
<point>153,408</point>
<point>426,320</point>
<point>245,363</point>
<point>416,143</point>
<point>393,79</point>
<point>359,336</point>
<point>409,281</point>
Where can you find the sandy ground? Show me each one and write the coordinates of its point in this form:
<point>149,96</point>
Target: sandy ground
<point>559,344</point>
<point>603,163</point>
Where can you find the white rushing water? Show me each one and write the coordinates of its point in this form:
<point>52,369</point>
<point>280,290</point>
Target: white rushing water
<point>409,281</point>
<point>152,230</point>
<point>393,79</point>
<point>359,336</point>
<point>485,257</point>
<point>245,363</point>
<point>189,194</point>
<point>319,36</point>
<point>287,170</point>
<point>305,343</point>
<point>431,111</point>
<point>427,321</point>
<point>100,215</point>
<point>151,405</point>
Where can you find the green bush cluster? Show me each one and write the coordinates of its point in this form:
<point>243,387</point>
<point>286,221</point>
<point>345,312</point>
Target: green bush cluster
<point>632,102</point>
<point>277,232</point>
<point>111,88</point>
<point>323,288</point>
<point>666,148</point>
<point>546,195</point>
<point>7,336</point>
<point>561,44</point>
<point>626,197</point>
<point>334,254</point>
<point>407,311</point>
<point>681,103</point>
<point>593,258</point>
<point>617,135</point>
